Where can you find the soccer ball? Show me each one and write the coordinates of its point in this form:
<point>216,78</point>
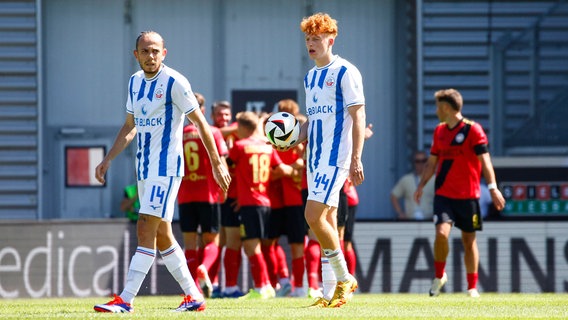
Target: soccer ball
<point>282,129</point>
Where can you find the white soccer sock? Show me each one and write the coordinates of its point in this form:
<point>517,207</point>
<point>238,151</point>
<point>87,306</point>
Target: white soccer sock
<point>338,263</point>
<point>174,259</point>
<point>139,267</point>
<point>328,279</point>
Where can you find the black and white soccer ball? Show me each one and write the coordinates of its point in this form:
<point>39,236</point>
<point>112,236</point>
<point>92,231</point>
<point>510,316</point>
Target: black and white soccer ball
<point>282,129</point>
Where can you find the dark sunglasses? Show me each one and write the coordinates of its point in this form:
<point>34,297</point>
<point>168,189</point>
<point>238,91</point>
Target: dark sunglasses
<point>420,160</point>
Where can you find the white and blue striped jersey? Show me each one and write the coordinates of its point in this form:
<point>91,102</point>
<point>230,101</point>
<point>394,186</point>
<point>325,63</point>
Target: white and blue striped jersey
<point>159,106</point>
<point>330,91</point>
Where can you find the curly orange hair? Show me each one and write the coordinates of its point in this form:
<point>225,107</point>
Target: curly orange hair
<point>319,23</point>
<point>288,105</point>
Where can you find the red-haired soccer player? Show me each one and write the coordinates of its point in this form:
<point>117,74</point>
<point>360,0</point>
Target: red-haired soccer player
<point>335,106</point>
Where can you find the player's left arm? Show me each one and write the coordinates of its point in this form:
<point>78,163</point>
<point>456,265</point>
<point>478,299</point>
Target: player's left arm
<point>281,170</point>
<point>489,175</point>
<point>358,115</point>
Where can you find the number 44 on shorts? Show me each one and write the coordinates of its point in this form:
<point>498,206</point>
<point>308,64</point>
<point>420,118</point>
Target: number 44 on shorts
<point>321,179</point>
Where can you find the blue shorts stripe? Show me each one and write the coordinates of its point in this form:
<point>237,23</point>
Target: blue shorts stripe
<point>331,184</point>
<point>168,194</point>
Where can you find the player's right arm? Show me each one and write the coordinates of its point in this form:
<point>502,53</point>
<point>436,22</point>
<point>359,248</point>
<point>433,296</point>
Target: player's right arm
<point>429,170</point>
<point>122,140</point>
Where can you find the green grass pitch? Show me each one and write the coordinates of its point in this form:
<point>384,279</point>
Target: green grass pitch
<point>363,306</point>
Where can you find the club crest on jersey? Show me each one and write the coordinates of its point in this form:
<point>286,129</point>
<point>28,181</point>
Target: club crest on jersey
<point>330,81</point>
<point>459,137</point>
<point>159,93</point>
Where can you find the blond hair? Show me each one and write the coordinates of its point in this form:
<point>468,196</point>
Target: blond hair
<point>247,120</point>
<point>288,105</point>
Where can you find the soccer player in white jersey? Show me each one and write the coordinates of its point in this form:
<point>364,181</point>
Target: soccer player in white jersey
<point>158,100</point>
<point>335,130</point>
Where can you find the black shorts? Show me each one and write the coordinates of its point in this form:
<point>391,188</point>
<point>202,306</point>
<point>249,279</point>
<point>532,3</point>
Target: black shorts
<point>288,221</point>
<point>254,222</point>
<point>305,199</point>
<point>464,213</point>
<point>204,214</point>
<point>342,209</point>
<point>229,218</point>
<point>350,224</point>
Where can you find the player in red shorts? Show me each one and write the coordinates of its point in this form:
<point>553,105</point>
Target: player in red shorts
<point>198,201</point>
<point>458,156</point>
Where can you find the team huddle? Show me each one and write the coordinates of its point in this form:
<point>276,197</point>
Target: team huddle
<point>236,191</point>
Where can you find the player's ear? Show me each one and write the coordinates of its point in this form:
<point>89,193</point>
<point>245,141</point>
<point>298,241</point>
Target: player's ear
<point>165,52</point>
<point>331,41</point>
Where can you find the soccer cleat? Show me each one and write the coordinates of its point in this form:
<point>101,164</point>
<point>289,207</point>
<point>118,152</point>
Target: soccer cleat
<point>216,294</point>
<point>473,293</point>
<point>235,294</point>
<point>284,291</point>
<point>116,305</point>
<point>266,292</point>
<point>343,292</point>
<point>298,293</point>
<point>204,281</point>
<point>251,295</point>
<point>189,304</point>
<point>314,293</point>
<point>437,285</point>
<point>319,303</point>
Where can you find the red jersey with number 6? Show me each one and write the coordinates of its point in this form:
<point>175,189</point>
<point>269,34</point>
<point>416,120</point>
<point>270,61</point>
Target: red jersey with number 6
<point>459,170</point>
<point>198,184</point>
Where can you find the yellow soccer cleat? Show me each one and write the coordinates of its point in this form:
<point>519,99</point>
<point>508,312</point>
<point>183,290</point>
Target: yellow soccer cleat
<point>319,303</point>
<point>343,292</point>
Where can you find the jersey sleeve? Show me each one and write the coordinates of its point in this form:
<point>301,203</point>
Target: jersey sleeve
<point>434,149</point>
<point>130,96</point>
<point>183,97</point>
<point>220,142</point>
<point>352,87</point>
<point>478,135</point>
<point>234,154</point>
<point>275,159</point>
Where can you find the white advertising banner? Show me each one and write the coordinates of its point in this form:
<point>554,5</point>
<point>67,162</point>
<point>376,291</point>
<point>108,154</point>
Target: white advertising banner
<point>90,258</point>
<point>513,257</point>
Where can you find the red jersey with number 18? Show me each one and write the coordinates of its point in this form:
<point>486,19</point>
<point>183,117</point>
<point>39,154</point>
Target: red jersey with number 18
<point>253,160</point>
<point>459,170</point>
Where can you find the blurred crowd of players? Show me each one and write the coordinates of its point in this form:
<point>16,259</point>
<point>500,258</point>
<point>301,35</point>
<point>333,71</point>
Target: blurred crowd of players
<point>265,201</point>
<point>215,226</point>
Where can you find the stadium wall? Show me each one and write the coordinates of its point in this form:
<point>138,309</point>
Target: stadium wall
<point>75,258</point>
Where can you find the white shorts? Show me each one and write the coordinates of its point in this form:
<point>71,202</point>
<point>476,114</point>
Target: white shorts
<point>325,183</point>
<point>158,196</point>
